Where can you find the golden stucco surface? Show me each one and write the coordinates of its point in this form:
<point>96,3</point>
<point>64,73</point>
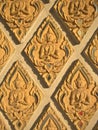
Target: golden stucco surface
<point>48,65</point>
<point>5,49</point>
<point>78,96</point>
<point>19,96</point>
<point>77,14</point>
<point>19,15</point>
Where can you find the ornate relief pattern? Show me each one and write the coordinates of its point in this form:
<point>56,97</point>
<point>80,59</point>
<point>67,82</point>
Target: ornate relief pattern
<point>19,96</point>
<point>50,121</point>
<point>5,49</point>
<point>77,14</point>
<point>92,50</point>
<point>20,14</point>
<point>48,50</point>
<point>78,96</point>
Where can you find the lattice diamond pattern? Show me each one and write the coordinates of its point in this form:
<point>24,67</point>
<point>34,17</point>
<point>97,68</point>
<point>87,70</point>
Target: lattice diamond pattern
<point>48,82</point>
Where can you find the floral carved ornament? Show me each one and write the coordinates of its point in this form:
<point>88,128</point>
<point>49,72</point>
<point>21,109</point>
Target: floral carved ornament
<point>19,96</point>
<point>48,50</point>
<point>78,96</point>
<point>20,14</point>
<point>77,14</point>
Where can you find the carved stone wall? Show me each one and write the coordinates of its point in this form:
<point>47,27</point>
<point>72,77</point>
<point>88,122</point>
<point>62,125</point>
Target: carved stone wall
<point>48,65</point>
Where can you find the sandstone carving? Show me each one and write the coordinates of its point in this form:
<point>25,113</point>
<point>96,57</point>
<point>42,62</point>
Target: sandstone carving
<point>48,50</point>
<point>92,50</point>
<point>78,96</point>
<point>77,14</point>
<point>20,14</point>
<point>19,96</point>
<point>6,49</point>
<point>50,121</point>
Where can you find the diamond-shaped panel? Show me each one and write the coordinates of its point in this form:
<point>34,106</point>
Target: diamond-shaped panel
<point>49,121</point>
<point>78,96</point>
<point>20,14</point>
<point>19,96</point>
<point>92,51</point>
<point>48,50</point>
<point>77,14</point>
<point>6,49</point>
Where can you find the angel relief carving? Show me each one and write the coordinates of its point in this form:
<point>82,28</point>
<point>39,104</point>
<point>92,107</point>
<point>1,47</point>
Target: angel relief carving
<point>48,50</point>
<point>77,14</point>
<point>77,96</point>
<point>50,121</point>
<point>5,49</point>
<point>20,15</point>
<point>20,97</point>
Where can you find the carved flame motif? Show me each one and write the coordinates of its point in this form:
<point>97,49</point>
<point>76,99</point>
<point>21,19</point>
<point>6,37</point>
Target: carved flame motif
<point>20,14</point>
<point>49,121</point>
<point>19,96</point>
<point>77,14</point>
<point>92,50</point>
<point>5,49</point>
<point>77,96</point>
<point>50,125</point>
<point>51,48</point>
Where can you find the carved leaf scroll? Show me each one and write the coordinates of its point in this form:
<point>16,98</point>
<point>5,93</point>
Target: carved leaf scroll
<point>77,14</point>
<point>20,14</point>
<point>19,96</point>
<point>48,50</point>
<point>78,96</point>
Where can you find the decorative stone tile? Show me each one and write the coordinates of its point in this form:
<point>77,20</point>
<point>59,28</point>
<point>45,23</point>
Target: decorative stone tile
<point>78,96</point>
<point>77,14</point>
<point>50,121</point>
<point>20,14</point>
<point>48,50</point>
<point>92,51</point>
<point>19,96</point>
<point>6,49</point>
